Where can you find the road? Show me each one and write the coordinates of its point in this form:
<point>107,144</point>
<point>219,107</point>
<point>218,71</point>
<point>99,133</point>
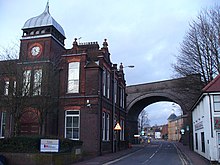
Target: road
<point>155,153</point>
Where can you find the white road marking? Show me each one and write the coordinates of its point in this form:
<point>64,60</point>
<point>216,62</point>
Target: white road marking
<point>152,155</point>
<point>116,160</point>
<point>183,160</point>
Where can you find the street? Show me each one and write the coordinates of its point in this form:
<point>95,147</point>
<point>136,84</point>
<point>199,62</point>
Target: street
<point>157,152</point>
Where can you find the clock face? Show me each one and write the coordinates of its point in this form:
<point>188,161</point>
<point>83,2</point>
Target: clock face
<point>35,50</point>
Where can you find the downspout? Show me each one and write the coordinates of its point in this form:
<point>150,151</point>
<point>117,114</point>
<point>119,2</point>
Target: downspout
<point>113,112</point>
<point>211,124</point>
<point>210,108</point>
<point>100,115</point>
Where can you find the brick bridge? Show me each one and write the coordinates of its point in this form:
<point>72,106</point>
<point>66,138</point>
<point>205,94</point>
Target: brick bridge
<point>183,91</point>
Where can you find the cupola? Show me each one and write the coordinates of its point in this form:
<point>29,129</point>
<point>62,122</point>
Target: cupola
<point>43,25</point>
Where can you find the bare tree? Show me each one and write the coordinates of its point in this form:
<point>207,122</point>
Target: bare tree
<point>24,90</point>
<point>200,49</point>
<point>143,120</point>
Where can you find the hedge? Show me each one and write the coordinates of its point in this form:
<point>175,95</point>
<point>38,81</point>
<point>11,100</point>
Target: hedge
<point>31,144</point>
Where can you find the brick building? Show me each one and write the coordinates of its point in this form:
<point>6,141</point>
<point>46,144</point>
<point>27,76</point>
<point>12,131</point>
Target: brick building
<point>175,124</point>
<point>75,93</point>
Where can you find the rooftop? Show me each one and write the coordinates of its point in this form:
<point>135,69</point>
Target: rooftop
<point>44,19</point>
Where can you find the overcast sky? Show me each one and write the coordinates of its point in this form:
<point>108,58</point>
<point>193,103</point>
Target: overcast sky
<point>143,33</point>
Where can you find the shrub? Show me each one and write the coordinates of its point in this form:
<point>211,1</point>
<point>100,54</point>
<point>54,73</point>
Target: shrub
<point>31,144</point>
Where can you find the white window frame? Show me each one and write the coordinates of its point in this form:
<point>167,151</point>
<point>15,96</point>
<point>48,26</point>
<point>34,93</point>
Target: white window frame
<point>107,126</point>
<point>37,82</point>
<point>26,82</point>
<point>115,90</point>
<point>216,103</point>
<point>14,87</point>
<point>76,113</point>
<point>123,97</point>
<point>6,88</point>
<point>73,77</point>
<point>103,126</point>
<point>2,124</point>
<point>104,73</point>
<point>122,132</point>
<point>108,84</point>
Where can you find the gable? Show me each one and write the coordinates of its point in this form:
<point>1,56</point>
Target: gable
<point>213,86</point>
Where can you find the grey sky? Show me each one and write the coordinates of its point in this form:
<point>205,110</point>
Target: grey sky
<point>144,33</point>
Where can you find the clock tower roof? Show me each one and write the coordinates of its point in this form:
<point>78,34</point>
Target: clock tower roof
<point>44,19</point>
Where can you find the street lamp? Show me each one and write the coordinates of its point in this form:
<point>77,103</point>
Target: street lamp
<point>114,102</point>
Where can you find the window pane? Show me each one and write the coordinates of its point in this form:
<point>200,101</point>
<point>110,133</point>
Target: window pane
<point>75,133</point>
<point>72,112</point>
<point>26,82</point>
<point>73,77</point>
<point>216,98</point>
<point>37,82</point>
<point>69,122</point>
<point>107,126</point>
<point>217,106</point>
<point>69,133</point>
<point>103,126</point>
<point>104,81</point>
<point>6,87</point>
<point>75,122</point>
<point>108,84</point>
<point>14,87</point>
<point>2,124</point>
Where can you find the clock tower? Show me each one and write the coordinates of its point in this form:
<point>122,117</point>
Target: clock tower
<point>42,39</point>
<point>42,45</point>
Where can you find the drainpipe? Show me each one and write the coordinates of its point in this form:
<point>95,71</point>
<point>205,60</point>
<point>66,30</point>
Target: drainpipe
<point>210,108</point>
<point>113,110</point>
<point>100,115</point>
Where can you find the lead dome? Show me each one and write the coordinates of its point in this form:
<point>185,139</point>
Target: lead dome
<point>44,19</point>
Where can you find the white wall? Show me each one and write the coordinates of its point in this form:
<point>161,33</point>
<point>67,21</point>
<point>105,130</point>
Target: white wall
<point>201,114</point>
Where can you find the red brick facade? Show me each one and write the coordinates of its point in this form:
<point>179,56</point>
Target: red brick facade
<point>54,110</point>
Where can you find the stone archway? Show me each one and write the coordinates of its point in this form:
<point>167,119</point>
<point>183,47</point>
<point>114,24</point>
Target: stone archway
<point>183,91</point>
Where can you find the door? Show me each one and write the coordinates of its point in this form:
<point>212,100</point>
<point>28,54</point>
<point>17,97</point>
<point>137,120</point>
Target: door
<point>30,123</point>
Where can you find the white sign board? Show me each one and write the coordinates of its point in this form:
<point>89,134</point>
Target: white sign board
<point>182,131</point>
<point>49,145</point>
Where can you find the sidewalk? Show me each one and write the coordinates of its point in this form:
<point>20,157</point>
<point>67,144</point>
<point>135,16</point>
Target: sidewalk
<point>192,157</point>
<point>100,160</point>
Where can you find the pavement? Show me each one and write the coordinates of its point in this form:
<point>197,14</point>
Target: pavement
<point>192,157</point>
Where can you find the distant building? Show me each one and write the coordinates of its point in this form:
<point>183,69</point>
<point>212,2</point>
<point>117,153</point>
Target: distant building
<point>157,134</point>
<point>164,132</point>
<point>206,122</point>
<point>154,131</point>
<point>75,93</point>
<point>175,123</point>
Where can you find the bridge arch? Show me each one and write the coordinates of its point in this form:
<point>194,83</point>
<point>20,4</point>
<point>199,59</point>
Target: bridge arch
<point>183,91</point>
<point>139,103</point>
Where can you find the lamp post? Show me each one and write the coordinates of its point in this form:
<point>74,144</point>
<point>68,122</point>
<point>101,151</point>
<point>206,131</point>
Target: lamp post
<point>114,101</point>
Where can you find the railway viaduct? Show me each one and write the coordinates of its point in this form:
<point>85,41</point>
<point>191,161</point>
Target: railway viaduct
<point>183,91</point>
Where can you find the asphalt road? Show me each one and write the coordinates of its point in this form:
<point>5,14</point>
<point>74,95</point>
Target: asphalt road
<point>155,153</point>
